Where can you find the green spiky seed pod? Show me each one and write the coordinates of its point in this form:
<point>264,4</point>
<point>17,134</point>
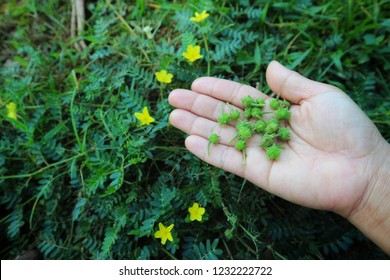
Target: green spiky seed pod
<point>248,113</point>
<point>234,115</point>
<point>229,233</point>
<point>240,145</point>
<point>256,113</point>
<point>273,152</point>
<point>241,124</point>
<point>284,134</point>
<point>274,104</point>
<point>283,114</point>
<point>260,102</point>
<point>271,132</point>
<point>285,104</point>
<point>224,119</point>
<point>259,126</point>
<point>272,126</point>
<point>213,139</point>
<point>247,101</point>
<point>267,140</point>
<point>244,132</point>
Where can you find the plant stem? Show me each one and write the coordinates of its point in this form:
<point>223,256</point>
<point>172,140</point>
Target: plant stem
<point>169,254</point>
<point>42,169</point>
<point>269,247</point>
<point>246,246</point>
<point>131,31</point>
<point>161,92</point>
<point>227,248</point>
<point>71,111</point>
<point>206,46</point>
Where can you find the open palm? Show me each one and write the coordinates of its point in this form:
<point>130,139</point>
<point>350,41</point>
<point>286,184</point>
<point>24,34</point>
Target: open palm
<point>325,163</point>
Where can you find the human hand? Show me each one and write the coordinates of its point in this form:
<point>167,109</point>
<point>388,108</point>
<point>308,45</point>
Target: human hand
<point>331,160</point>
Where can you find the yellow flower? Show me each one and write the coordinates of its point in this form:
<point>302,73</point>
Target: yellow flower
<point>200,17</point>
<point>193,53</point>
<point>164,77</point>
<point>144,117</point>
<point>164,233</point>
<point>196,212</point>
<point>11,110</point>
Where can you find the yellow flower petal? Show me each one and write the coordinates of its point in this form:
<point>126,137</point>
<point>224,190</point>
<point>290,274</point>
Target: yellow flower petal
<point>164,233</point>
<point>196,212</point>
<point>11,110</point>
<point>169,237</point>
<point>192,53</point>
<point>170,227</point>
<point>164,77</point>
<point>144,117</point>
<point>161,226</point>
<point>200,17</point>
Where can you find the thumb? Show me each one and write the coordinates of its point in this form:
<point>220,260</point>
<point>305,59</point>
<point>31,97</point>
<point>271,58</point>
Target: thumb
<point>293,86</point>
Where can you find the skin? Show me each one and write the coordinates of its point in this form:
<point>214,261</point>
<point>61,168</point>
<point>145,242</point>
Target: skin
<point>335,160</point>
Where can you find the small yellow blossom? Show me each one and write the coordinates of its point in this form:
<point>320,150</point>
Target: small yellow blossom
<point>144,117</point>
<point>196,212</point>
<point>164,233</point>
<point>193,53</point>
<point>200,17</point>
<point>164,77</point>
<point>11,110</point>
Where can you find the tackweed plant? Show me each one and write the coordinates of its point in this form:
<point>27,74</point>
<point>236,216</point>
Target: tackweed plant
<point>90,167</point>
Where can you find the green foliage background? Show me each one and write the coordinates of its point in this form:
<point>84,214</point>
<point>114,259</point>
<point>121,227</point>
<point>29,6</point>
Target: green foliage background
<point>79,179</point>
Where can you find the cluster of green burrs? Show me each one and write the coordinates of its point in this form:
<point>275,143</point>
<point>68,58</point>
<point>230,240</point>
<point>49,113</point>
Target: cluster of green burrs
<point>273,131</point>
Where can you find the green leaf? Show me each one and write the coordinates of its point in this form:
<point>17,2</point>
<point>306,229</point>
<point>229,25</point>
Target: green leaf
<point>257,55</point>
<point>297,58</point>
<point>78,208</point>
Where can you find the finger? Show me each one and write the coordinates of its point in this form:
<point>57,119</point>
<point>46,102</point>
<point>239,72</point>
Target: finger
<point>221,156</point>
<point>195,125</point>
<point>199,104</point>
<point>293,86</point>
<point>256,168</point>
<point>224,90</point>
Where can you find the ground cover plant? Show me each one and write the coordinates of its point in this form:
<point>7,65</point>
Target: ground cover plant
<point>90,167</point>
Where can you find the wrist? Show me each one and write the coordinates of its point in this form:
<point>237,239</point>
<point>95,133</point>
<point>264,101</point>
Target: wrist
<point>371,215</point>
